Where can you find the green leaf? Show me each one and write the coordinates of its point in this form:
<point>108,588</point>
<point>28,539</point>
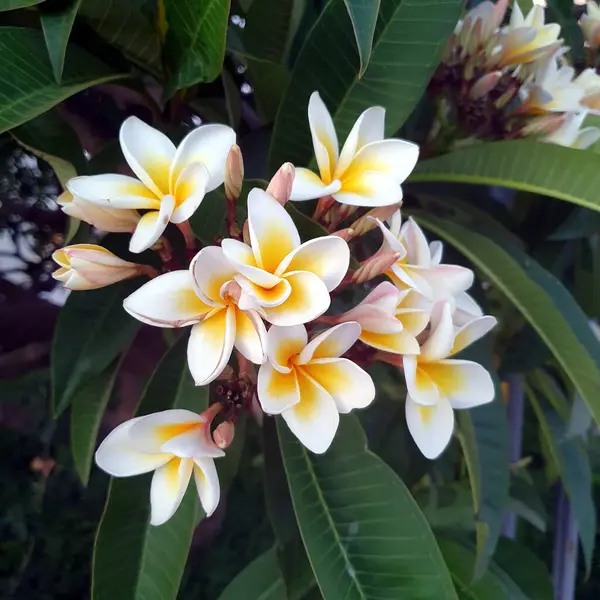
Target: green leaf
<point>269,81</point>
<point>526,503</point>
<point>409,38</point>
<point>128,27</point>
<point>195,43</point>
<point>232,99</point>
<point>134,560</point>
<point>91,331</point>
<point>523,165</point>
<point>363,14</point>
<point>537,294</point>
<point>575,472</point>
<point>364,534</point>
<point>57,23</point>
<point>89,404</point>
<point>581,223</point>
<point>13,4</point>
<point>260,580</point>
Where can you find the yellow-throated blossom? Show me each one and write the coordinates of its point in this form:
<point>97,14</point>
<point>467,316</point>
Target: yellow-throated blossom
<point>206,297</point>
<point>309,384</point>
<point>437,384</point>
<point>286,281</point>
<point>171,182</point>
<point>590,25</point>
<point>102,217</point>
<point>369,169</point>
<point>88,266</point>
<point>173,444</point>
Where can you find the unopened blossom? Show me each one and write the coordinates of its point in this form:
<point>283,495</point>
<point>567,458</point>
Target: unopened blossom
<point>170,182</point>
<point>369,169</point>
<point>172,443</point>
<point>286,281</point>
<point>206,297</point>
<point>309,384</point>
<point>590,25</point>
<point>89,266</point>
<point>102,217</point>
<point>437,384</point>
<point>419,266</point>
<point>572,135</point>
<point>386,322</point>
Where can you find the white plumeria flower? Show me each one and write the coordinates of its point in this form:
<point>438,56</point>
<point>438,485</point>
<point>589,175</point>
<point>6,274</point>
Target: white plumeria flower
<point>589,81</point>
<point>419,266</point>
<point>390,319</point>
<point>171,181</point>
<point>590,25</point>
<point>107,219</point>
<point>571,135</point>
<point>309,384</point>
<point>437,384</point>
<point>369,169</point>
<point>173,444</point>
<point>88,267</point>
<point>205,297</point>
<point>288,282</point>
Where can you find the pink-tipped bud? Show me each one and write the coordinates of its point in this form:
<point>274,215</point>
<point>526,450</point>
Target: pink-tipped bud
<point>223,435</point>
<point>368,221</point>
<point>280,186</point>
<point>234,173</point>
<point>377,265</point>
<point>485,85</point>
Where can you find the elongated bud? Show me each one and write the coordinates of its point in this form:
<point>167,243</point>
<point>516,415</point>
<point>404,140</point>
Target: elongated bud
<point>485,85</point>
<point>223,435</point>
<point>376,265</point>
<point>368,222</point>
<point>88,266</point>
<point>280,186</point>
<point>234,173</point>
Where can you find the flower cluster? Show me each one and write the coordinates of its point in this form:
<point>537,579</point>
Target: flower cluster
<point>512,81</point>
<point>262,294</point>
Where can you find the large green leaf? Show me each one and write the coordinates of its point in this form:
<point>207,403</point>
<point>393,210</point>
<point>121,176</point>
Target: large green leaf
<point>409,37</point>
<point>92,329</point>
<point>574,467</point>
<point>523,165</point>
<point>13,4</point>
<point>27,84</point>
<point>195,43</point>
<point>57,22</point>
<point>364,534</point>
<point>536,293</point>
<point>134,560</point>
<point>363,14</point>
<point>89,404</point>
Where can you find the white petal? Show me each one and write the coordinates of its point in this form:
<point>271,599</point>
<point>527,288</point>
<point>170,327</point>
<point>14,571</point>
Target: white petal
<point>209,145</point>
<point>189,191</point>
<point>441,338</point>
<point>369,188</point>
<point>118,191</point>
<point>327,257</point>
<point>436,250</point>
<point>472,331</point>
<point>169,484</point>
<point>314,420</point>
<point>349,386</point>
<point>466,309</point>
<point>325,142</point>
<point>151,226</point>
<point>276,391</point>
<point>376,312</point>
<point>168,300</point>
<point>308,300</point>
<point>430,426</point>
<point>397,342</point>
<point>284,343</point>
<point>415,278</point>
<point>395,158</point>
<point>242,259</point>
<point>207,484</point>
<point>417,248</point>
<point>152,432</point>
<point>464,383</point>
<point>391,239</point>
<point>273,234</point>
<point>149,153</point>
<point>250,336</point>
<point>449,280</point>
<point>210,271</point>
<point>210,345</point>
<point>308,186</point>
<point>119,458</point>
<point>332,343</point>
<point>99,274</point>
<point>419,384</point>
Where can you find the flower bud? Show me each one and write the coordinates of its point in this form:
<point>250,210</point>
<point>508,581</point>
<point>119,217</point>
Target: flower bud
<point>485,85</point>
<point>223,434</point>
<point>234,173</point>
<point>376,265</point>
<point>88,266</point>
<point>115,220</point>
<point>368,221</point>
<point>280,186</point>
<point>590,25</point>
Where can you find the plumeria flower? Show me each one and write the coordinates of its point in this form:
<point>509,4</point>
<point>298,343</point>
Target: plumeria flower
<point>173,444</point>
<point>88,267</point>
<point>590,25</point>
<point>479,25</point>
<point>309,384</point>
<point>205,297</point>
<point>102,217</point>
<point>419,266</point>
<point>589,81</point>
<point>437,384</point>
<point>571,135</point>
<point>390,320</point>
<point>369,169</point>
<point>286,281</point>
<point>171,182</point>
